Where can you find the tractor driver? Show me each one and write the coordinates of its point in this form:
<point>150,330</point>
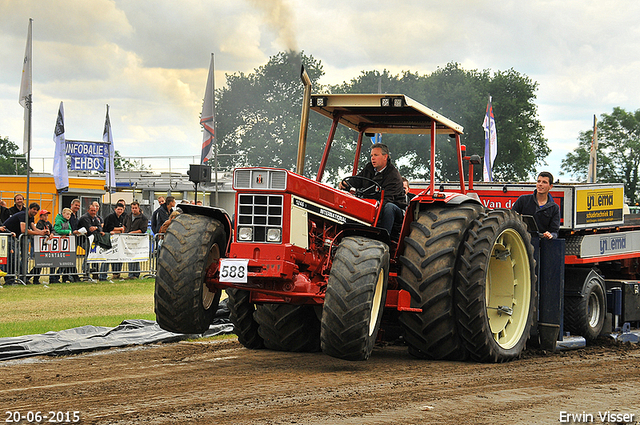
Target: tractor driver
<point>541,206</point>
<point>383,172</point>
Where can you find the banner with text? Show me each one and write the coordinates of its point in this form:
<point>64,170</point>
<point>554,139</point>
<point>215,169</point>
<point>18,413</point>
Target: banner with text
<point>125,248</point>
<point>87,156</point>
<point>55,251</point>
<point>4,250</point>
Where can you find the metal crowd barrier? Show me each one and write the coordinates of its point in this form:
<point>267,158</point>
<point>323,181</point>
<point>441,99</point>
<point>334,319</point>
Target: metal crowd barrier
<point>16,274</point>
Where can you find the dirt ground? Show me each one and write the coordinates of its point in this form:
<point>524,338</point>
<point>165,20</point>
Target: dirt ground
<point>220,382</point>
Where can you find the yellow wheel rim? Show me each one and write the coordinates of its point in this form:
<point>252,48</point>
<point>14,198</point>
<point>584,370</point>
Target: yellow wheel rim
<point>377,299</point>
<point>508,289</point>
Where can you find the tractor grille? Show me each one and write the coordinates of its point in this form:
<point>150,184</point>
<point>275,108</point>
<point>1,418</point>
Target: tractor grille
<point>259,213</point>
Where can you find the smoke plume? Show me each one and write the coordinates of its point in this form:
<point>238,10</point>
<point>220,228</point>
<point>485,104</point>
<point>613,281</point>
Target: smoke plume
<point>279,17</point>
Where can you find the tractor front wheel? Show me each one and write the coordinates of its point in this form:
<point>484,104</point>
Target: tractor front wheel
<point>355,298</point>
<point>183,301</point>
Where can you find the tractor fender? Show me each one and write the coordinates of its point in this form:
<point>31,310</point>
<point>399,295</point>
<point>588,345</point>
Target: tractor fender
<point>447,198</point>
<point>459,198</point>
<point>217,213</point>
<point>576,279</point>
<point>370,232</point>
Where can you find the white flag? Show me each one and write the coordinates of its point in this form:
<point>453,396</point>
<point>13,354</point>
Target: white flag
<point>25,88</point>
<point>110,173</point>
<point>490,142</point>
<point>207,118</point>
<point>60,173</point>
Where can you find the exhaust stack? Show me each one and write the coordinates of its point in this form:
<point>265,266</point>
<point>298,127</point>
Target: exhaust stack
<point>304,120</point>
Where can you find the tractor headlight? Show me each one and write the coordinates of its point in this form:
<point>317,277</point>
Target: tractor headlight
<point>274,235</point>
<point>245,233</point>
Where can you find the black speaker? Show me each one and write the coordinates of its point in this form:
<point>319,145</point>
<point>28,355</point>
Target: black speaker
<point>199,173</point>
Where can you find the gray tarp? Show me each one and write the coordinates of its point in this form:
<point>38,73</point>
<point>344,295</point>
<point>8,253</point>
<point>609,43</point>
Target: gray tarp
<point>88,338</point>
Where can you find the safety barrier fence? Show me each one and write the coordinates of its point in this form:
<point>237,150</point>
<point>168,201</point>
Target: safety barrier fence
<point>75,258</point>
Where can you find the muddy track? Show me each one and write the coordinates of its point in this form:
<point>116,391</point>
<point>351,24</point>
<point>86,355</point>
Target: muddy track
<point>220,382</point>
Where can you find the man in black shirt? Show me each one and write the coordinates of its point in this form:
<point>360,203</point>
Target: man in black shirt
<point>113,224</point>
<point>162,214</point>
<point>4,212</point>
<point>541,206</point>
<point>18,204</point>
<point>92,225</point>
<point>16,224</point>
<point>90,221</point>
<point>137,224</point>
<point>382,171</point>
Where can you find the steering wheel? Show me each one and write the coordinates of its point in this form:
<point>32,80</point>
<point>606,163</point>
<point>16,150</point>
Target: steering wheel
<point>370,188</point>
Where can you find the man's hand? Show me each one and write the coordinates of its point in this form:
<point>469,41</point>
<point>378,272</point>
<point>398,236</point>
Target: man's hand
<point>547,235</point>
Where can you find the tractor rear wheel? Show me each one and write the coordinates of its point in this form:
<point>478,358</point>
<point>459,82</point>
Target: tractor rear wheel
<point>183,301</point>
<point>428,269</point>
<point>241,312</point>
<point>355,298</point>
<point>496,289</point>
<point>286,327</point>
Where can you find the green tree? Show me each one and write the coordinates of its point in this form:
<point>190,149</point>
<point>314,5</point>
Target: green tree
<point>258,114</point>
<point>9,150</point>
<point>618,152</point>
<point>121,163</point>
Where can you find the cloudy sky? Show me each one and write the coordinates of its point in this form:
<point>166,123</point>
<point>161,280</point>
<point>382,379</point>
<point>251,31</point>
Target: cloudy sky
<point>149,59</point>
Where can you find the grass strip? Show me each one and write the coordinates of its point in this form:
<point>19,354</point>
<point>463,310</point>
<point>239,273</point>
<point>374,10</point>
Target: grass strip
<point>36,309</point>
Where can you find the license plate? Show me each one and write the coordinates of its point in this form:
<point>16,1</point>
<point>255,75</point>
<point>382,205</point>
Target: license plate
<point>233,270</point>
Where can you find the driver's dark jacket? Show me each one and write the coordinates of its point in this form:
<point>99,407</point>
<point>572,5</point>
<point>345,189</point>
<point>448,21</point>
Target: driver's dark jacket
<point>390,181</point>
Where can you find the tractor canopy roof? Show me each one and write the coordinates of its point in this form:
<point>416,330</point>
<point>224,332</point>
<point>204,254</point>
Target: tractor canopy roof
<point>382,113</point>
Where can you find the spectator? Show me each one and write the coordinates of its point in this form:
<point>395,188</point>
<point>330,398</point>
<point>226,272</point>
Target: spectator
<point>97,205</point>
<point>91,223</point>
<point>198,202</point>
<point>137,224</point>
<point>405,186</point>
<point>165,225</point>
<point>42,224</point>
<point>63,227</point>
<point>162,214</point>
<point>113,224</point>
<point>73,223</point>
<point>18,204</point>
<point>160,200</point>
<point>4,211</point>
<point>16,225</point>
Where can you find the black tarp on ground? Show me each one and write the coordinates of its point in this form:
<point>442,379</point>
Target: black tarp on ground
<point>88,338</point>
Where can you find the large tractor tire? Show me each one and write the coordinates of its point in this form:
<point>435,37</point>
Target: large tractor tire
<point>183,301</point>
<point>496,290</point>
<point>428,274</point>
<point>286,327</point>
<point>241,312</point>
<point>355,298</point>
<point>584,315</point>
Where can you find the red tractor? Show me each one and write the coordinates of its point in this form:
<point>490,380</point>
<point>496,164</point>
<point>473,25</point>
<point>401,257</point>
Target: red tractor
<point>306,268</point>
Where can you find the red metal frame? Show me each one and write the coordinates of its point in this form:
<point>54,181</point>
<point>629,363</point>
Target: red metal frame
<point>327,147</point>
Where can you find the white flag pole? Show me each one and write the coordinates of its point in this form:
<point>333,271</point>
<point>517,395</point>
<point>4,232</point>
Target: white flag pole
<point>26,101</point>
